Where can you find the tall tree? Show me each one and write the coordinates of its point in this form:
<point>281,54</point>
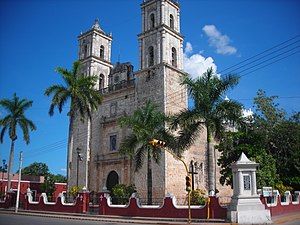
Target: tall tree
<point>210,111</point>
<point>271,139</point>
<point>82,93</point>
<point>146,123</point>
<point>79,89</point>
<point>281,137</point>
<point>36,169</point>
<point>15,118</point>
<point>233,144</point>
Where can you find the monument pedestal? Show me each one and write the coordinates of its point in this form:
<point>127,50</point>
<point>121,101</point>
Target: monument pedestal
<point>245,206</point>
<point>248,210</point>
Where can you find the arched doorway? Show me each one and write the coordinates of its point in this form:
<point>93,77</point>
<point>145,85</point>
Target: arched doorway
<point>112,180</point>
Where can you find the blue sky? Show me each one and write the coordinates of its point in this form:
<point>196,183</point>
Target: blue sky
<point>37,36</point>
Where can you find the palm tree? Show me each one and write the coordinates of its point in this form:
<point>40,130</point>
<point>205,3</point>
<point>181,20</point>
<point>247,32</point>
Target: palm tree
<point>15,118</point>
<point>210,112</point>
<point>146,123</point>
<point>79,89</point>
<point>83,96</point>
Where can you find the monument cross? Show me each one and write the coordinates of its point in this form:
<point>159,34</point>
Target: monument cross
<point>192,172</point>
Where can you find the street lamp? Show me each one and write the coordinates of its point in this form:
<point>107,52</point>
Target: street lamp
<point>79,158</point>
<point>3,161</point>
<point>2,186</point>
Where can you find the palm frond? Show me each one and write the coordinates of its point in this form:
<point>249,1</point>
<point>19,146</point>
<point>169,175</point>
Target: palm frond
<point>146,122</point>
<point>187,136</point>
<point>140,156</point>
<point>3,130</point>
<point>128,146</point>
<point>16,108</point>
<point>79,89</point>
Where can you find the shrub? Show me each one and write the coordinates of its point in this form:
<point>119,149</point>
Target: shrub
<point>121,193</point>
<point>197,197</point>
<point>74,191</point>
<point>282,188</point>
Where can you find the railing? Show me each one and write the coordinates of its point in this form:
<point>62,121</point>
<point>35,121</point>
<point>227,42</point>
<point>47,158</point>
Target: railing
<point>69,198</point>
<point>155,201</point>
<point>117,87</point>
<point>295,198</point>
<point>94,203</point>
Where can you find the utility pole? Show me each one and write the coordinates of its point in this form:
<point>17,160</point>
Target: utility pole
<point>19,182</point>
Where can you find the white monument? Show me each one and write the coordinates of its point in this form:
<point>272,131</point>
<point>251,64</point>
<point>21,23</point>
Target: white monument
<point>245,206</point>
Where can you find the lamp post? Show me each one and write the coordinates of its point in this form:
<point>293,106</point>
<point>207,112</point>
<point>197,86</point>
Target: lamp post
<point>79,158</point>
<point>3,166</point>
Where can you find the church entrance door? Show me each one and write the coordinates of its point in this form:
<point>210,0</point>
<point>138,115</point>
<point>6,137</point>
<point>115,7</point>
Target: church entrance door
<point>112,180</point>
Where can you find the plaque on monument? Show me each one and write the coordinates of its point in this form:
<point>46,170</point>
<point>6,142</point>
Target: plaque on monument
<point>247,183</point>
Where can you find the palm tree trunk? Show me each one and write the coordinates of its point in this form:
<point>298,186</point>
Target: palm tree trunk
<point>210,164</point>
<point>10,165</point>
<point>149,179</point>
<point>70,152</point>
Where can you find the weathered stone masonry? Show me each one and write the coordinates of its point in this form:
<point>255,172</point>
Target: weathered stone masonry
<point>158,79</point>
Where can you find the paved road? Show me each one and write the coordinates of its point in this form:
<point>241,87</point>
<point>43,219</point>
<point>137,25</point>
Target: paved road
<point>15,219</point>
<point>10,218</point>
<point>290,219</point>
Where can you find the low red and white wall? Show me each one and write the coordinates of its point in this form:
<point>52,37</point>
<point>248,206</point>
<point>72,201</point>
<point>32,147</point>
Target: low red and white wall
<point>168,209</point>
<point>279,205</point>
<point>81,204</point>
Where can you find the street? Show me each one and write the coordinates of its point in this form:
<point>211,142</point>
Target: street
<point>15,219</point>
<point>44,219</point>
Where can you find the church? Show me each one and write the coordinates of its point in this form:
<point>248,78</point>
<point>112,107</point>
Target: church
<point>93,158</point>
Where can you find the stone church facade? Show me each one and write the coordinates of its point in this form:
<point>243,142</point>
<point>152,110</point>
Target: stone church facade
<point>93,157</point>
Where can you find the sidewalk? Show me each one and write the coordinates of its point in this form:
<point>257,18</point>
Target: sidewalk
<point>140,220</point>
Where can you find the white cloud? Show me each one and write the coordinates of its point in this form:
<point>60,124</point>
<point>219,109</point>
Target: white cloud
<point>188,48</point>
<point>219,41</point>
<point>196,64</point>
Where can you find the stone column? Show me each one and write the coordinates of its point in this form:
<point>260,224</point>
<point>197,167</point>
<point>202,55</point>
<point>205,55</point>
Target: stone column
<point>143,21</point>
<point>253,183</point>
<point>163,42</point>
<point>240,183</point>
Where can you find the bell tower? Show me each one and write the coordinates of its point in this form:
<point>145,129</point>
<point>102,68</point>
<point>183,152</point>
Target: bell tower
<point>95,53</point>
<point>95,59</point>
<point>159,78</point>
<point>161,56</point>
<point>160,40</point>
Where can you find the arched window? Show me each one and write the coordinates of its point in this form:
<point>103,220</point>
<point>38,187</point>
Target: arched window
<point>85,51</point>
<point>152,20</point>
<point>101,52</point>
<point>101,81</point>
<point>174,57</point>
<point>112,180</point>
<point>150,56</point>
<point>171,21</point>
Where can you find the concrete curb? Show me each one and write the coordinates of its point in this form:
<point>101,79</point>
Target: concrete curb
<point>132,220</point>
<point>137,220</point>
